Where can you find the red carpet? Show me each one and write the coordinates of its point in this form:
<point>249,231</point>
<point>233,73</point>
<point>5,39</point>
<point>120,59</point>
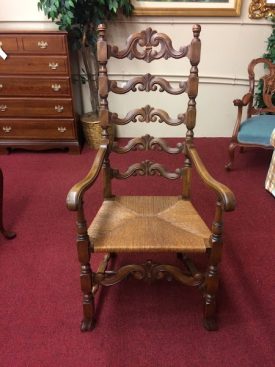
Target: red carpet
<point>138,324</point>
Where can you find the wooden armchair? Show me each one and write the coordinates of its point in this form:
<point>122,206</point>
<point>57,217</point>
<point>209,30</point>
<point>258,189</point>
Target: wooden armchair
<point>256,129</point>
<point>149,224</point>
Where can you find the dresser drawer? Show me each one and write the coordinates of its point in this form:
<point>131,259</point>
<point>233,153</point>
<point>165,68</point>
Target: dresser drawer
<point>9,43</point>
<point>37,129</point>
<point>34,86</point>
<point>52,65</point>
<point>34,43</point>
<point>33,107</point>
<point>44,44</point>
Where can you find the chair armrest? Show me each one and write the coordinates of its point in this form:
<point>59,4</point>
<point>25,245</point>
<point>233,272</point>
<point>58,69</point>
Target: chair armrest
<point>74,197</point>
<point>244,101</point>
<point>240,103</point>
<point>224,193</point>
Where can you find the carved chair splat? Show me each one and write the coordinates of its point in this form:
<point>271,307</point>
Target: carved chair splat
<point>149,224</point>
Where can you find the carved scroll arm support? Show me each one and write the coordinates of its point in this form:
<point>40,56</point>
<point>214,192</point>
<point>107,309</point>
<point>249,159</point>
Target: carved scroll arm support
<point>248,97</point>
<point>240,103</point>
<point>224,194</point>
<point>74,197</point>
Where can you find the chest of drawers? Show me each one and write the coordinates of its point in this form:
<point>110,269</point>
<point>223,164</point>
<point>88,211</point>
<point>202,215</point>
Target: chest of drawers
<point>37,108</point>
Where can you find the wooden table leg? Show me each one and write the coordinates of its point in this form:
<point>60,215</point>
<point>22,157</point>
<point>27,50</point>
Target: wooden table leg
<point>7,234</point>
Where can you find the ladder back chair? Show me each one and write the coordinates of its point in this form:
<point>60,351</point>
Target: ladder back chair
<point>255,130</point>
<point>148,224</point>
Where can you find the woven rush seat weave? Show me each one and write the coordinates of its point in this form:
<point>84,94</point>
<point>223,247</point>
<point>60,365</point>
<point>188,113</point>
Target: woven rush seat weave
<point>148,223</point>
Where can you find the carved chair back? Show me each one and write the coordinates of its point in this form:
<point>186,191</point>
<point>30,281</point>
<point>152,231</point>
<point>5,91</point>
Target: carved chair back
<point>148,45</point>
<point>268,82</point>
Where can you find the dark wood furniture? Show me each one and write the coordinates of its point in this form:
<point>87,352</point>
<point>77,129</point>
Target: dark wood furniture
<point>255,130</point>
<point>149,224</point>
<point>8,234</point>
<point>36,100</point>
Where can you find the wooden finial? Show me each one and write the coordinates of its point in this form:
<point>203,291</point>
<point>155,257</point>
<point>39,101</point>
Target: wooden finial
<point>196,30</point>
<point>101,29</point>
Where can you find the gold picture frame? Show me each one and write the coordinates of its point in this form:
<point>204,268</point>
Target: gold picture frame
<point>261,9</point>
<point>203,8</point>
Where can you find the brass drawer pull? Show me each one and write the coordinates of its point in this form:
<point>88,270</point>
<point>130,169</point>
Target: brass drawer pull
<point>62,129</point>
<point>1,86</point>
<point>59,108</point>
<point>3,107</point>
<point>56,87</point>
<point>42,44</point>
<point>7,129</point>
<point>53,65</point>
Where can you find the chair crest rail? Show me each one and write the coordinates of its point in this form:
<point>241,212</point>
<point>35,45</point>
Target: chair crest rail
<point>147,168</point>
<point>147,83</point>
<point>148,39</point>
<point>147,114</point>
<point>147,142</point>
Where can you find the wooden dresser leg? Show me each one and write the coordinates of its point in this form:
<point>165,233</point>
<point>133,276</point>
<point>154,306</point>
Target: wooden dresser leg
<point>9,235</point>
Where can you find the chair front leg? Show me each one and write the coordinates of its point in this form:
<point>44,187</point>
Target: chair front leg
<point>86,276</point>
<point>231,152</point>
<point>212,279</point>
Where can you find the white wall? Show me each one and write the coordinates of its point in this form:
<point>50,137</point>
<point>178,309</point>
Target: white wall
<point>228,44</point>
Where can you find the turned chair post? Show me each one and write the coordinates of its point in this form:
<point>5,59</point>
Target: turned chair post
<point>212,276</point>
<point>187,175</point>
<point>103,90</point>
<point>86,277</point>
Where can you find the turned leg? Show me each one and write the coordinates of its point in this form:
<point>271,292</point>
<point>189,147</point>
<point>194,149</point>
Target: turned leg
<point>86,276</point>
<point>9,235</point>
<point>231,152</point>
<point>88,321</point>
<point>209,319</point>
<point>212,280</point>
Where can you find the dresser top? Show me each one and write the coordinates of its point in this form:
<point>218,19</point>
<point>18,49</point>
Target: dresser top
<point>30,32</point>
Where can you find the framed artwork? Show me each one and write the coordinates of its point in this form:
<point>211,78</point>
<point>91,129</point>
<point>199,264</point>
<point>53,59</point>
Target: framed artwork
<point>261,9</point>
<point>206,8</point>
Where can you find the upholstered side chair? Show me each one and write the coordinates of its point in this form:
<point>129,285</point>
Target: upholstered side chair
<point>149,224</point>
<point>255,130</point>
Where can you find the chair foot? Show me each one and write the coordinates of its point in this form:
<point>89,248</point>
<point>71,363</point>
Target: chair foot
<point>87,325</point>
<point>228,166</point>
<point>8,234</point>
<point>210,324</point>
<point>231,152</point>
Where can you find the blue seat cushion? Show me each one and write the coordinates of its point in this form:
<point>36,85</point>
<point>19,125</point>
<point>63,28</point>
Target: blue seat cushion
<point>257,130</point>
